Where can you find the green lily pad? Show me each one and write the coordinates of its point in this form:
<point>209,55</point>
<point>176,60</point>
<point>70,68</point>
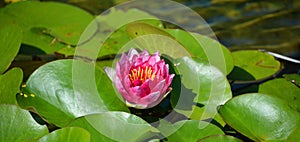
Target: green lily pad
<point>10,42</point>
<point>49,26</point>
<point>260,117</point>
<point>153,39</point>
<point>179,43</point>
<point>188,130</point>
<point>207,49</point>
<point>295,78</point>
<point>10,86</point>
<point>17,125</point>
<point>119,38</point>
<point>283,89</point>
<point>105,63</point>
<point>294,136</point>
<point>114,126</point>
<point>63,90</point>
<point>66,51</point>
<point>253,65</point>
<point>68,134</point>
<point>220,138</point>
<point>207,88</point>
<point>111,35</point>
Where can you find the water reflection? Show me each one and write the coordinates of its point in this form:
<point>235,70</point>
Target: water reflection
<point>244,24</point>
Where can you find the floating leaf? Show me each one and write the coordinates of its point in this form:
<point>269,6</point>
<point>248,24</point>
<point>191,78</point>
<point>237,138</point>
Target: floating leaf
<point>10,86</point>
<point>114,126</point>
<point>112,32</point>
<point>205,48</point>
<point>220,138</point>
<point>283,89</point>
<point>67,134</point>
<point>10,42</point>
<point>295,78</point>
<point>188,130</point>
<point>253,65</point>
<point>260,117</point>
<point>208,89</point>
<point>65,89</point>
<point>154,39</point>
<point>111,36</point>
<point>174,44</point>
<point>17,125</point>
<point>44,26</point>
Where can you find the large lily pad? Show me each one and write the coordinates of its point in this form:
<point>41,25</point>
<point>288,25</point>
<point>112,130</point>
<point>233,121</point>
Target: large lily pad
<point>10,42</point>
<point>10,86</point>
<point>114,126</point>
<point>205,48</point>
<point>188,130</point>
<point>174,44</point>
<point>253,65</point>
<point>65,89</point>
<point>283,89</point>
<point>68,134</point>
<point>260,117</point>
<point>17,125</point>
<point>208,89</point>
<point>49,26</point>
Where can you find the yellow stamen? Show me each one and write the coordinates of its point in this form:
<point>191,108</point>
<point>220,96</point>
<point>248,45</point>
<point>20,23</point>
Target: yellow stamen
<point>138,73</point>
<point>141,74</point>
<point>141,77</point>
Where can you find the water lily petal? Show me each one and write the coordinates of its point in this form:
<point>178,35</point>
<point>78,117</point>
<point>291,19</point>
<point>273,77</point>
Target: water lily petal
<point>153,60</point>
<point>151,99</point>
<point>123,66</point>
<point>159,86</point>
<point>132,53</point>
<point>141,79</point>
<point>111,73</point>
<point>122,90</point>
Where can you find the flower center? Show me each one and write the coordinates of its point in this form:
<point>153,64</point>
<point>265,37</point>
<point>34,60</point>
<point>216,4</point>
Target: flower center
<point>141,74</point>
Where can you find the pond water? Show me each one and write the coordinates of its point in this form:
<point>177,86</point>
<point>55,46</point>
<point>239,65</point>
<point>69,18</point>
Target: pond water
<point>238,24</point>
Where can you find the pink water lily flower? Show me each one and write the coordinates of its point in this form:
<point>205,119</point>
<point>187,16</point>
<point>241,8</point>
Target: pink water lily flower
<point>143,80</point>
